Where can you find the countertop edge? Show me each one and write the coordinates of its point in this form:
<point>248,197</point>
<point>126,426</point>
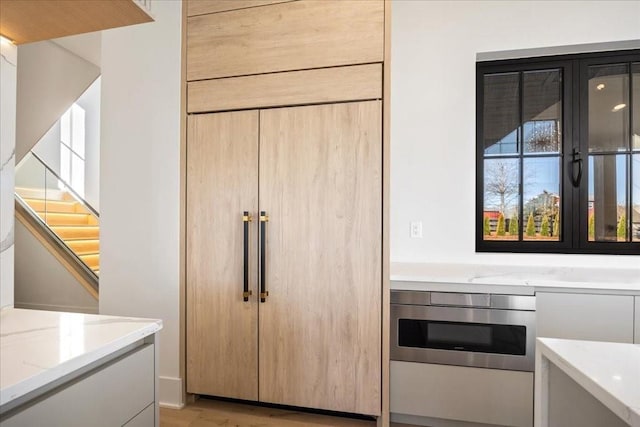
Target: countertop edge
<point>35,382</point>
<point>628,413</point>
<point>517,280</point>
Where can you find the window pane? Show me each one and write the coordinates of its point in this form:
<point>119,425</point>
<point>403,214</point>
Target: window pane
<point>635,197</point>
<point>607,198</point>
<point>501,191</point>
<point>542,111</point>
<point>65,128</point>
<point>77,175</point>
<point>65,163</point>
<point>636,106</point>
<point>541,198</point>
<point>78,126</point>
<point>501,113</point>
<point>608,108</point>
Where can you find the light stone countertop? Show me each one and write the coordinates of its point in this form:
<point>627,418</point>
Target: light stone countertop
<point>38,348</point>
<point>518,280</point>
<point>615,383</point>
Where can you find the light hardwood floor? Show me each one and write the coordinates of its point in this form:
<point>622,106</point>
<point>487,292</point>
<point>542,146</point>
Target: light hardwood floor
<point>209,413</point>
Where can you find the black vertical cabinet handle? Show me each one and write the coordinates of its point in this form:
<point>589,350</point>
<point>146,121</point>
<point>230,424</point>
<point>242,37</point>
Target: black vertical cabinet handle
<point>576,160</point>
<point>246,219</point>
<point>263,234</point>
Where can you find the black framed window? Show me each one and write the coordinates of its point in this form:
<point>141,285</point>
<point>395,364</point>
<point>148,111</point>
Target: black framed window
<point>558,154</point>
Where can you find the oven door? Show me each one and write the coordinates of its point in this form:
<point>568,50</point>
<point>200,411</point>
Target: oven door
<point>479,337</point>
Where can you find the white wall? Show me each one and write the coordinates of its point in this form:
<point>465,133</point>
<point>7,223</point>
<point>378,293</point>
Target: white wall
<point>50,286</point>
<point>48,148</point>
<point>434,47</point>
<point>8,84</point>
<point>50,79</point>
<point>90,101</point>
<point>140,180</point>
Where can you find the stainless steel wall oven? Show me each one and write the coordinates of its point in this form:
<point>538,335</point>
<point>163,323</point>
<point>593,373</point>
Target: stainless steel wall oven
<point>480,330</point>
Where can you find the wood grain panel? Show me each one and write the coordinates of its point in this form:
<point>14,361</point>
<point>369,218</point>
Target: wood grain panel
<point>202,7</point>
<point>285,37</point>
<point>321,185</point>
<point>222,165</point>
<point>353,83</point>
<point>34,20</point>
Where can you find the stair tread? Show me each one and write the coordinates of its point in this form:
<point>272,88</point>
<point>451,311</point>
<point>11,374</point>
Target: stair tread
<point>53,206</point>
<point>50,194</point>
<point>77,226</point>
<point>35,199</point>
<point>77,231</point>
<point>63,213</point>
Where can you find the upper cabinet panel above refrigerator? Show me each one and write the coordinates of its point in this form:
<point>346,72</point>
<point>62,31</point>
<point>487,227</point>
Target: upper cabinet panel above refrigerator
<point>285,37</point>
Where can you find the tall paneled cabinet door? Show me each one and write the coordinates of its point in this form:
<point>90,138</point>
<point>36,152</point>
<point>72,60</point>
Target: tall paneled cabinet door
<point>313,242</point>
<point>321,186</point>
<point>222,184</point>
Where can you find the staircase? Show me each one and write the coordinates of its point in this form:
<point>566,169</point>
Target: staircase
<point>69,219</point>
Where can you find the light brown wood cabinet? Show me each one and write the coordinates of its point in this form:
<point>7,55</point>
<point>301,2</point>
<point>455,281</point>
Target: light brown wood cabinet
<point>320,184</point>
<point>284,37</point>
<point>222,183</point>
<point>284,203</point>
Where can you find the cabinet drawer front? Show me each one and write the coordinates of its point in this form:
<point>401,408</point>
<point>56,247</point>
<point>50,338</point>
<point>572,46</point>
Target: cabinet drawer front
<point>145,418</point>
<point>353,83</point>
<point>284,37</point>
<point>475,395</point>
<point>585,317</point>
<point>110,396</point>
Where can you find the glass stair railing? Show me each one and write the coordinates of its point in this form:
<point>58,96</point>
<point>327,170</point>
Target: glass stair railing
<point>64,215</point>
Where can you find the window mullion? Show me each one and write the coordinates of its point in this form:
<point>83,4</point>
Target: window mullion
<point>521,160</point>
<point>579,213</point>
<point>629,210</point>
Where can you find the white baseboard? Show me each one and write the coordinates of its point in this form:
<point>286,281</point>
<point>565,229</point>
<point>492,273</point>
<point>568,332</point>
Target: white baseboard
<point>171,394</point>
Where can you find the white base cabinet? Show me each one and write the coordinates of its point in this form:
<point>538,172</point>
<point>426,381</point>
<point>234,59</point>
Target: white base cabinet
<point>461,394</point>
<point>120,392</point>
<point>143,419</point>
<point>566,396</point>
<point>585,316</point>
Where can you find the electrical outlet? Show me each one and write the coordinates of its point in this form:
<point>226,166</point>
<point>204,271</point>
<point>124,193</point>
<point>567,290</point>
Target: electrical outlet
<point>416,229</point>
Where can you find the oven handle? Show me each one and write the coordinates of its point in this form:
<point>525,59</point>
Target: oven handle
<point>464,300</point>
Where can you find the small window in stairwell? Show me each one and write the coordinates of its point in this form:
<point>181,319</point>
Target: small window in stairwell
<point>72,144</point>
